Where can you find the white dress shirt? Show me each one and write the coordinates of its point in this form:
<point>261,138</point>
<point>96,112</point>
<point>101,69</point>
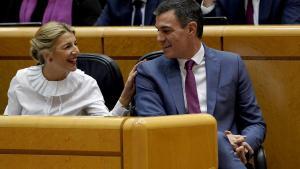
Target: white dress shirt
<point>199,71</point>
<point>142,10</point>
<point>30,93</point>
<point>255,3</point>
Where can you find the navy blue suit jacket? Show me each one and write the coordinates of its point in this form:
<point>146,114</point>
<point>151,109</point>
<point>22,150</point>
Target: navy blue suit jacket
<point>119,13</point>
<point>230,97</point>
<point>270,11</point>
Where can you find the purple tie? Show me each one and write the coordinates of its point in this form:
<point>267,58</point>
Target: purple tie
<point>249,13</point>
<point>191,89</point>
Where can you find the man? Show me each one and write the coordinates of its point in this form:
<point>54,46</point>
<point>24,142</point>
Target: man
<point>259,11</point>
<point>221,86</point>
<point>128,12</point>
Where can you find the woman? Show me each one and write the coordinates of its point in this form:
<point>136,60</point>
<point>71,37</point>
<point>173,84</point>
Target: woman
<point>56,86</point>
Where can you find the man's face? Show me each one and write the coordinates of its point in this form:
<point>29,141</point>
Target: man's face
<point>173,39</point>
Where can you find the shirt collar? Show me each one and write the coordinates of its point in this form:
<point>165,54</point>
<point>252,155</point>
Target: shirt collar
<point>198,57</point>
<point>145,1</point>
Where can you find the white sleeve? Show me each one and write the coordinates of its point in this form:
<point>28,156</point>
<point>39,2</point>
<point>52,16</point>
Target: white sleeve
<point>206,10</point>
<point>13,106</point>
<point>118,110</point>
<point>98,107</point>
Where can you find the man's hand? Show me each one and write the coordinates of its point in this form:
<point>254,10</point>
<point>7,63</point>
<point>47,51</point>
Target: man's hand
<point>239,145</point>
<point>208,3</point>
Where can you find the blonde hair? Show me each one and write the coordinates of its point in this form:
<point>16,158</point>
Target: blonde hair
<point>45,38</point>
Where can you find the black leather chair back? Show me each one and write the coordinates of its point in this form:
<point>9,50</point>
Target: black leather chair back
<point>152,55</point>
<point>107,74</point>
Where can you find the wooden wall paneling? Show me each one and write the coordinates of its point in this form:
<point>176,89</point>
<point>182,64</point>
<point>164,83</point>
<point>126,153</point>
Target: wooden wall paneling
<point>272,57</point>
<point>266,46</point>
<point>276,83</point>
<point>127,44</point>
<point>212,36</point>
<point>90,39</point>
<point>8,69</point>
<point>262,41</point>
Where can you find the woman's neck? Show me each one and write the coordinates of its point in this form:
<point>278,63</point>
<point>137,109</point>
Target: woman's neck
<point>52,74</point>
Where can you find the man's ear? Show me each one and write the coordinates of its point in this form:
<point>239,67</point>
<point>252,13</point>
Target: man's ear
<point>192,28</point>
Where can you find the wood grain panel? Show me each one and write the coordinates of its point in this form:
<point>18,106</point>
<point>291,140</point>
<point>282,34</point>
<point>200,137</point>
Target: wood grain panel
<point>125,67</point>
<point>89,39</point>
<point>276,83</point>
<point>137,41</point>
<point>90,45</point>
<point>98,136</point>
<point>14,161</point>
<point>8,69</point>
<point>15,47</point>
<point>170,142</point>
<point>213,42</point>
<point>263,46</point>
<point>129,47</point>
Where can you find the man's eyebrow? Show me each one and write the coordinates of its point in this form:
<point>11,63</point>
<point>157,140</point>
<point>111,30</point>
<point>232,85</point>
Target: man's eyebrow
<point>163,27</point>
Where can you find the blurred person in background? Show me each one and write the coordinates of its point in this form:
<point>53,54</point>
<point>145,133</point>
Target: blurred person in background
<point>128,13</point>
<point>72,12</point>
<point>255,12</point>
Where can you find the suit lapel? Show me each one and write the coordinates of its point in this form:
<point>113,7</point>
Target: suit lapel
<point>264,10</point>
<point>174,80</point>
<point>212,66</point>
<point>234,9</point>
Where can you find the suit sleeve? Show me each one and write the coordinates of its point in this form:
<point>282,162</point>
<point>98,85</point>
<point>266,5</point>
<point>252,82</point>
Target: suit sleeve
<point>291,12</point>
<point>105,18</point>
<point>148,101</point>
<point>250,119</point>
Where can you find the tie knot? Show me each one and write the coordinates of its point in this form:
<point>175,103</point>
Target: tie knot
<point>189,64</point>
<point>138,3</point>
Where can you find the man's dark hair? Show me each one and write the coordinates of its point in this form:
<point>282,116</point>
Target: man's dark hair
<point>185,11</point>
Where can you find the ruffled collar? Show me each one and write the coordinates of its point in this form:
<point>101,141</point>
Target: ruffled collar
<point>40,84</point>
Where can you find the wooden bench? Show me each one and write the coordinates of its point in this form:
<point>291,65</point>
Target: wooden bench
<point>170,142</point>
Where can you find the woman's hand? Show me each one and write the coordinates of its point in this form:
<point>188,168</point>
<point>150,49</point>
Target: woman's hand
<point>129,88</point>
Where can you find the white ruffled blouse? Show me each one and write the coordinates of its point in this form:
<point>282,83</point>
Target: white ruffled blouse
<point>30,93</point>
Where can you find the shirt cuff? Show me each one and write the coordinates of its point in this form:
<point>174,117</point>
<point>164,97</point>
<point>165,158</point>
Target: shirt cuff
<point>118,110</point>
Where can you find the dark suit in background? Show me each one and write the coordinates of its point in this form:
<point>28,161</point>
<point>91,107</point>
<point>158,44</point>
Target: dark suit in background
<point>270,11</point>
<point>119,13</point>
<point>9,10</point>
